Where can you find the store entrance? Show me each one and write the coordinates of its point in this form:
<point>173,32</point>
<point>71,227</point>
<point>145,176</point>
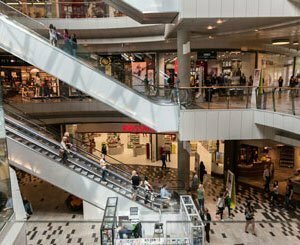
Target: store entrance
<point>136,148</point>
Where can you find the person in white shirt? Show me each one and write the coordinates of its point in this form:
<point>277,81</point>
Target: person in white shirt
<point>64,150</point>
<point>164,193</point>
<point>103,165</point>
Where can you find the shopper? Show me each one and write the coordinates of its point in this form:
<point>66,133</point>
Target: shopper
<point>136,182</point>
<point>267,178</point>
<point>104,150</point>
<point>195,182</point>
<point>67,43</point>
<point>68,144</point>
<point>103,165</point>
<point>64,151</point>
<point>146,84</point>
<point>148,190</point>
<point>202,172</point>
<point>227,200</point>
<point>220,206</point>
<point>200,194</point>
<point>164,193</point>
<point>275,193</point>
<point>163,160</point>
<point>249,215</point>
<point>74,44</point>
<point>27,207</point>
<point>206,218</point>
<point>52,35</point>
<point>167,149</point>
<point>280,83</point>
<point>289,191</point>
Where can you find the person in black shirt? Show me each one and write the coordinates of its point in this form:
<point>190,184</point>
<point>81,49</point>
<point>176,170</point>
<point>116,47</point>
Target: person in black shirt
<point>136,181</point>
<point>202,172</point>
<point>206,219</point>
<point>289,191</point>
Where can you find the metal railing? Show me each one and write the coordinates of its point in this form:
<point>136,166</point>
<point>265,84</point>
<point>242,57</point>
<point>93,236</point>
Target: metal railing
<point>283,99</point>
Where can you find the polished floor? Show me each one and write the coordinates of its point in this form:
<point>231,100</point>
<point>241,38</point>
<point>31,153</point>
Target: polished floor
<point>53,223</point>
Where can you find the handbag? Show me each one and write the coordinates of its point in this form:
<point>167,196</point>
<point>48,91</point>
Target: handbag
<point>61,152</point>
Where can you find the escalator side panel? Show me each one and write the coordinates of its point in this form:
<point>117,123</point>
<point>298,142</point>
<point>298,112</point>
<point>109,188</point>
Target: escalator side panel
<point>26,159</point>
<point>35,50</point>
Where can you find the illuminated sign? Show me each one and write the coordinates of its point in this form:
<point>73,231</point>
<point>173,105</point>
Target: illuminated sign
<point>135,128</point>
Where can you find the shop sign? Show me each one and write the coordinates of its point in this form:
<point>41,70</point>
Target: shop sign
<point>135,128</point>
<point>206,55</point>
<point>12,61</point>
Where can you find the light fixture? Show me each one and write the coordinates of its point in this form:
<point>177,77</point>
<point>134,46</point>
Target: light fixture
<point>210,37</point>
<point>296,43</point>
<point>256,30</point>
<point>220,21</point>
<point>210,27</point>
<point>280,41</point>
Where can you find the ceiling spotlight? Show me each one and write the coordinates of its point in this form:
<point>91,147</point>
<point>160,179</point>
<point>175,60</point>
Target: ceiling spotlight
<point>210,37</point>
<point>210,27</point>
<point>220,21</point>
<point>256,30</point>
<point>280,42</point>
<point>296,43</point>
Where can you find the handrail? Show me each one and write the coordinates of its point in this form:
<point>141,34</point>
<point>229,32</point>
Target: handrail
<point>76,164</point>
<point>83,62</point>
<point>56,134</point>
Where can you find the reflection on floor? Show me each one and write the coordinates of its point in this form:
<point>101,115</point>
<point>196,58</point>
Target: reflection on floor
<point>277,226</point>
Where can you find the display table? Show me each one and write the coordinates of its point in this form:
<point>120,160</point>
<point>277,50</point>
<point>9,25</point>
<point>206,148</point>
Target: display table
<point>115,149</point>
<point>139,150</point>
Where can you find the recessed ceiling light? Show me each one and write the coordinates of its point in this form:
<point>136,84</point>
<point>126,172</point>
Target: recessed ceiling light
<point>280,42</point>
<point>296,43</point>
<point>256,30</point>
<point>210,37</point>
<point>210,27</point>
<point>220,21</point>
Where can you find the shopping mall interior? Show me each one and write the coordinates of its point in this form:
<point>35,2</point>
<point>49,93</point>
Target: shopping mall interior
<point>149,122</point>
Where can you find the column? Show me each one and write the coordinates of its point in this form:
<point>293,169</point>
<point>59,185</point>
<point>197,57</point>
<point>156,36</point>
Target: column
<point>294,66</point>
<point>159,68</point>
<point>183,165</point>
<point>184,60</point>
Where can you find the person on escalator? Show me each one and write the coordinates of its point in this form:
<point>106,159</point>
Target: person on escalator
<point>64,151</point>
<point>68,144</point>
<point>67,42</point>
<point>103,165</point>
<point>74,44</point>
<point>136,182</point>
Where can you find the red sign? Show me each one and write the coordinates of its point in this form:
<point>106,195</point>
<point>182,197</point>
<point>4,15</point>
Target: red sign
<point>135,128</point>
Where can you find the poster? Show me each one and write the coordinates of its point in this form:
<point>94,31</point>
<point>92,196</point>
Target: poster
<point>230,186</point>
<point>138,75</point>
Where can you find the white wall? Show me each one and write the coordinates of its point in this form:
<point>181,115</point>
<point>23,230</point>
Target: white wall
<point>235,124</point>
<point>237,8</point>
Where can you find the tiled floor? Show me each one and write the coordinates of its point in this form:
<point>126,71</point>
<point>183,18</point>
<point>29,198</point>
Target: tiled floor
<point>53,223</point>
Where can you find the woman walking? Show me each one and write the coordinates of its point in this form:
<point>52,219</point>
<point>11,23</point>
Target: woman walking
<point>249,215</point>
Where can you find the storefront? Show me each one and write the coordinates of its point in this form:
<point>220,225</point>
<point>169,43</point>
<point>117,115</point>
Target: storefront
<point>66,9</point>
<point>22,79</point>
<point>128,142</point>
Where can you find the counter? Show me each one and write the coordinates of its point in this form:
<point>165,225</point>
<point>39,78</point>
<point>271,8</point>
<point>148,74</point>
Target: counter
<point>115,149</point>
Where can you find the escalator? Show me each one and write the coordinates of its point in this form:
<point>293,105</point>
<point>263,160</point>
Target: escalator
<point>36,154</point>
<point>25,38</point>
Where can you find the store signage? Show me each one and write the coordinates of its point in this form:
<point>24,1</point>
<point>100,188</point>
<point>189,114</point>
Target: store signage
<point>9,60</point>
<point>206,55</point>
<point>135,128</point>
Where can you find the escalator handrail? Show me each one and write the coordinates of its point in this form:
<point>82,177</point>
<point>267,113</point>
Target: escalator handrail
<point>56,134</point>
<point>55,153</point>
<point>91,161</point>
<point>73,152</point>
<point>77,59</point>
